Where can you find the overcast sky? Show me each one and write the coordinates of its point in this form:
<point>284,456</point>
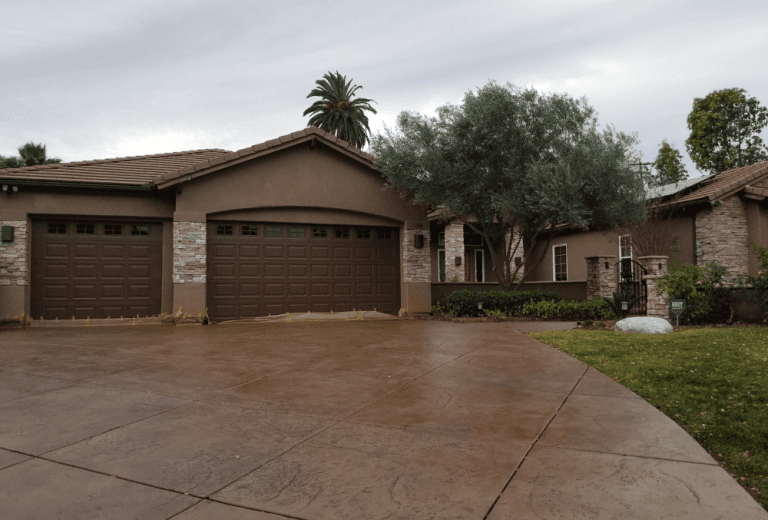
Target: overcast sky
<point>101,79</point>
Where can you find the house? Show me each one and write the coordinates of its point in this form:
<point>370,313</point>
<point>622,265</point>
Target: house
<point>299,223</point>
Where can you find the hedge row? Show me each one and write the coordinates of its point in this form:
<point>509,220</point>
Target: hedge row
<point>464,302</point>
<point>596,308</point>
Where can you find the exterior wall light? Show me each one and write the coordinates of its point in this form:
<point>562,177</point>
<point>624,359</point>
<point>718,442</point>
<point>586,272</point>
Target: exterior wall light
<point>418,241</point>
<point>458,260</point>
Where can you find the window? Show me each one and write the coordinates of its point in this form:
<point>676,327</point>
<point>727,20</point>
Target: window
<point>384,234</point>
<point>363,233</point>
<point>139,230</point>
<point>57,228</point>
<point>342,232</point>
<point>625,257</point>
<point>113,229</point>
<point>560,263</point>
<point>86,229</point>
<point>441,239</point>
<point>479,265</point>
<point>296,232</point>
<point>224,229</point>
<point>274,231</point>
<point>319,232</point>
<point>441,263</point>
<point>250,231</point>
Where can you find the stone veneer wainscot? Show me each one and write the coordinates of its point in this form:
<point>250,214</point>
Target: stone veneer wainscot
<point>13,255</point>
<point>721,234</point>
<point>454,247</point>
<point>417,263</point>
<point>189,252</point>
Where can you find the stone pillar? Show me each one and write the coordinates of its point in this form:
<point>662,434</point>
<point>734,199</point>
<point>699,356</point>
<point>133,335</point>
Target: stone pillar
<point>416,295</point>
<point>657,305</point>
<point>601,280</point>
<point>516,235</point>
<point>454,248</point>
<point>14,271</point>
<point>722,235</point>
<point>189,267</point>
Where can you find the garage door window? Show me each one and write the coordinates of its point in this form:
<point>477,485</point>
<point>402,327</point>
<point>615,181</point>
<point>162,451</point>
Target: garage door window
<point>113,229</point>
<point>57,228</point>
<point>384,234</point>
<point>320,232</point>
<point>224,229</point>
<point>86,229</point>
<point>342,232</point>
<point>274,231</point>
<point>297,232</point>
<point>250,231</point>
<point>138,230</point>
<point>363,233</point>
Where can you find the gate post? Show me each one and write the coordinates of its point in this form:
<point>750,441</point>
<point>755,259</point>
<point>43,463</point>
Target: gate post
<point>601,280</point>
<point>657,305</point>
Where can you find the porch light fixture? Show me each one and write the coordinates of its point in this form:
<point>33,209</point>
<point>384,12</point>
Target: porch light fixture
<point>418,241</point>
<point>458,260</point>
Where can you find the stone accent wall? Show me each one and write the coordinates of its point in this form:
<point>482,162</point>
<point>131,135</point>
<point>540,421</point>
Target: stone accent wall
<point>13,255</point>
<point>651,264</point>
<point>417,262</point>
<point>454,246</point>
<point>189,252</point>
<point>721,235</point>
<point>515,236</point>
<point>601,281</point>
<point>657,305</point>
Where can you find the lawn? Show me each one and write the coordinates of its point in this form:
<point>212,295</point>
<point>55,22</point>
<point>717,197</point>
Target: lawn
<point>711,381</point>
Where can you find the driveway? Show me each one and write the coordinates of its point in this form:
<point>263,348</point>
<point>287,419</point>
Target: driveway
<point>335,420</point>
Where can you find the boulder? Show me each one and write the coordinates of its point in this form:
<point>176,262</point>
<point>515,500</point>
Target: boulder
<point>644,325</point>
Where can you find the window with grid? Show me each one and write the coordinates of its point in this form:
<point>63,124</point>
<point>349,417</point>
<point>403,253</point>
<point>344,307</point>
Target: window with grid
<point>560,263</point>
<point>224,229</point>
<point>296,232</point>
<point>342,232</point>
<point>139,230</point>
<point>384,234</point>
<point>319,232</point>
<point>250,231</point>
<point>625,257</point>
<point>86,229</point>
<point>274,231</point>
<point>113,229</point>
<point>363,233</point>
<point>57,228</point>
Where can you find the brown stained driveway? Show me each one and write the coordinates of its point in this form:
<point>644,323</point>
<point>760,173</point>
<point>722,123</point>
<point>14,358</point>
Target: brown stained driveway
<point>336,420</point>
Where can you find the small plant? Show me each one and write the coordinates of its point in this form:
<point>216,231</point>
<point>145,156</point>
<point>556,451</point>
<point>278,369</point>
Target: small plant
<point>492,313</point>
<point>618,298</point>
<point>587,323</point>
<point>455,279</point>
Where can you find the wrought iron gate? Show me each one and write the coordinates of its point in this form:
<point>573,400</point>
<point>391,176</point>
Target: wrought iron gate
<point>630,278</point>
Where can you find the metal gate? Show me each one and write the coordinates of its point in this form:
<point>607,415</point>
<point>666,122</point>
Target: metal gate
<point>630,277</point>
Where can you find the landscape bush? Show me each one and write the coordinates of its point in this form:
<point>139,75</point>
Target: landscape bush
<point>596,308</point>
<point>464,302</point>
<point>759,283</point>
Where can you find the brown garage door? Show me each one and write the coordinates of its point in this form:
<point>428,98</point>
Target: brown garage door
<point>95,269</point>
<point>257,269</point>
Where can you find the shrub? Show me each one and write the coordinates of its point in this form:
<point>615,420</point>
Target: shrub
<point>464,302</point>
<point>615,303</point>
<point>596,308</point>
<point>759,283</point>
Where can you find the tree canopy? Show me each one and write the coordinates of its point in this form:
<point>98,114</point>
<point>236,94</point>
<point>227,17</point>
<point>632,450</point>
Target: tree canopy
<point>725,128</point>
<point>30,154</point>
<point>336,112</point>
<point>669,166</point>
<point>512,158</point>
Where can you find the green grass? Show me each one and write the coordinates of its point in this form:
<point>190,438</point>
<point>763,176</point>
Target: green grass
<point>711,381</point>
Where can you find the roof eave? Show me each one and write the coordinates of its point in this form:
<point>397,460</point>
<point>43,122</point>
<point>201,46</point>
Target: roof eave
<point>87,185</point>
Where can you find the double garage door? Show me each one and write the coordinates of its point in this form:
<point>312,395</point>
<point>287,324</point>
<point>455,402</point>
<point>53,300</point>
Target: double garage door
<point>257,269</point>
<point>92,269</point>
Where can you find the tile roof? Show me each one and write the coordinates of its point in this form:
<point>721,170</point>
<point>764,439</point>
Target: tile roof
<point>726,183</point>
<point>126,171</point>
<point>257,150</point>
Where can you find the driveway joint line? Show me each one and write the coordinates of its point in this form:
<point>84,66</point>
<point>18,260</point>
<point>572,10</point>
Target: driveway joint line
<point>713,463</point>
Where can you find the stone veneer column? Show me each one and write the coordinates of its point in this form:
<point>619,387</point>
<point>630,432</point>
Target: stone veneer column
<point>520,252</point>
<point>721,234</point>
<point>14,272</point>
<point>601,281</point>
<point>416,269</point>
<point>189,267</point>
<point>454,247</point>
<point>657,304</point>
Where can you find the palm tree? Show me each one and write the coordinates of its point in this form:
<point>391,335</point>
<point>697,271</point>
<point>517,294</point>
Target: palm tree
<point>336,112</point>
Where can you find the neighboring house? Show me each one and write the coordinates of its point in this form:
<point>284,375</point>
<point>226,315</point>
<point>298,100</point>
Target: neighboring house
<point>295,224</point>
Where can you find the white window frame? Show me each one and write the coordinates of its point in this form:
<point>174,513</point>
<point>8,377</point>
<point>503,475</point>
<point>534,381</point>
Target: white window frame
<point>482,265</point>
<point>441,265</point>
<point>622,256</point>
<point>554,256</point>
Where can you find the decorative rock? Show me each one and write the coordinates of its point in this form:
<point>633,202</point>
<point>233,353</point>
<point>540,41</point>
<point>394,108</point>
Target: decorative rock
<point>646,325</point>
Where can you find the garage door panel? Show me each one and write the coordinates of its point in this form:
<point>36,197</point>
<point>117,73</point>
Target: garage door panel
<point>223,290</point>
<point>91,275</point>
<point>386,253</point>
<point>321,289</point>
<point>297,271</point>
<point>273,271</point>
<point>297,289</point>
<point>249,289</point>
<point>223,311</point>
<point>250,251</point>
<point>320,252</point>
<point>364,253</point>
<point>342,288</point>
<point>363,271</point>
<point>363,289</point>
<point>342,252</point>
<point>385,271</point>
<point>387,307</point>
<point>225,250</point>
<point>274,308</point>
<point>321,271</point>
<point>342,270</point>
<point>320,307</point>
<point>138,310</point>
<point>342,305</point>
<point>274,289</point>
<point>249,310</point>
<point>385,289</point>
<point>297,252</point>
<point>249,270</point>
<point>223,270</point>
<point>272,251</point>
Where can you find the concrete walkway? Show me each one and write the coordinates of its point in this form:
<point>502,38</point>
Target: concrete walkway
<point>334,420</point>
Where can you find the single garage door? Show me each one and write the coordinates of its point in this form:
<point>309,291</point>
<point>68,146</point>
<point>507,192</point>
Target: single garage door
<point>257,269</point>
<point>93,269</point>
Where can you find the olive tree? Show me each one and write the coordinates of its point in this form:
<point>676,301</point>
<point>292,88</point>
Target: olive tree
<point>510,158</point>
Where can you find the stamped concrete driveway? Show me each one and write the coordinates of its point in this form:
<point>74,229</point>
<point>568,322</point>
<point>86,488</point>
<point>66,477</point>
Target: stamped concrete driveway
<point>335,420</point>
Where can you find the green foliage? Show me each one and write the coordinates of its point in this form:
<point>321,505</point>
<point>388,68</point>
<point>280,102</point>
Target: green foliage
<point>706,300</point>
<point>596,308</point>
<point>759,283</point>
<point>514,158</point>
<point>725,130</point>
<point>464,302</point>
<point>669,165</point>
<point>30,154</point>
<point>618,297</point>
<point>336,112</point>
